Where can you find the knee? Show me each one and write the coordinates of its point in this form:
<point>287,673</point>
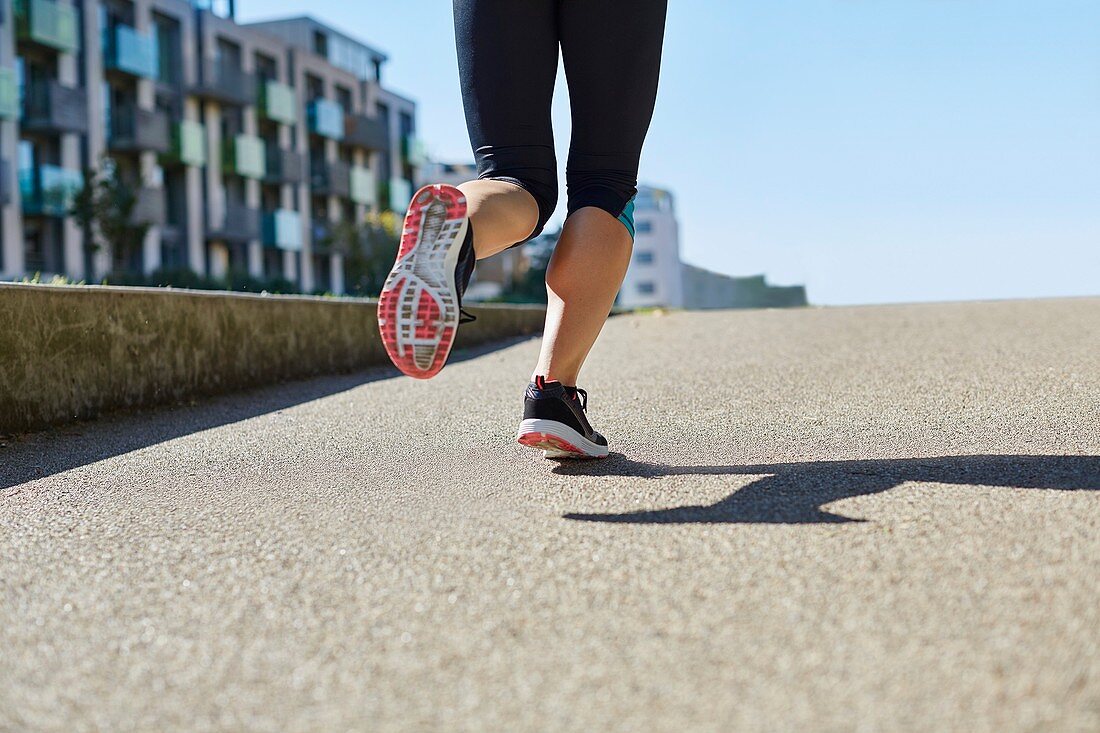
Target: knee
<point>531,167</point>
<point>604,182</point>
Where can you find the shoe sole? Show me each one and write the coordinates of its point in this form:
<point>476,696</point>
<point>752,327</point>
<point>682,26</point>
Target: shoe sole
<point>418,308</point>
<point>557,440</point>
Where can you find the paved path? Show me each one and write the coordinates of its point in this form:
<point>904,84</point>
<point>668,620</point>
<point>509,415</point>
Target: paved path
<point>866,519</point>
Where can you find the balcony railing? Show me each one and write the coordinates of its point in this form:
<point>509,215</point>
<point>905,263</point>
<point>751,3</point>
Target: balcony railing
<point>47,23</point>
<point>5,183</point>
<point>283,229</point>
<point>245,156</point>
<point>330,178</point>
<point>284,166</point>
<point>189,143</point>
<point>131,52</point>
<point>48,106</point>
<point>278,103</point>
<point>326,118</point>
<point>400,194</point>
<point>49,190</point>
<point>9,94</point>
<point>134,130</point>
<point>241,223</point>
<point>362,185</point>
<point>151,207</point>
<point>220,81</point>
<point>366,132</point>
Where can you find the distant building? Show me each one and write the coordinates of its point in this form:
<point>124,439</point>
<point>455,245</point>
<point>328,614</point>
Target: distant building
<point>244,143</point>
<point>653,278</point>
<point>497,274</point>
<point>704,289</point>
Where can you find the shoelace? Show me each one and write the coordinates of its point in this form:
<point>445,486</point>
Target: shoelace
<point>584,397</point>
<point>465,316</point>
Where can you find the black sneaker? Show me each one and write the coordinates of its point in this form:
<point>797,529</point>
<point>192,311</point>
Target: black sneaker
<point>420,306</point>
<point>554,420</point>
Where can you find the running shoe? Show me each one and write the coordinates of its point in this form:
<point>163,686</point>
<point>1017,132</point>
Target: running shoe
<point>555,420</point>
<point>420,306</point>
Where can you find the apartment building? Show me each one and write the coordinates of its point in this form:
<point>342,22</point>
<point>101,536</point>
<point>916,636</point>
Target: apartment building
<point>245,144</point>
<point>653,277</point>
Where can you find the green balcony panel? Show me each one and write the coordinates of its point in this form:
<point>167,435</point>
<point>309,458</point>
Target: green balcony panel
<point>9,94</point>
<point>400,194</point>
<point>362,185</point>
<point>247,156</point>
<point>413,149</point>
<point>326,119</point>
<point>283,229</point>
<point>132,52</point>
<point>49,190</point>
<point>278,102</point>
<point>48,23</point>
<point>190,143</point>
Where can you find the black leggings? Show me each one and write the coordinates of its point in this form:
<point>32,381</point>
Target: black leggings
<point>508,60</point>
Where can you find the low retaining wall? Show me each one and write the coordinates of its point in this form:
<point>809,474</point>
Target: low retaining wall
<point>72,352</point>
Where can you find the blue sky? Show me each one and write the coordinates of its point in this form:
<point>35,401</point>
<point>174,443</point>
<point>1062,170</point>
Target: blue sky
<point>875,150</point>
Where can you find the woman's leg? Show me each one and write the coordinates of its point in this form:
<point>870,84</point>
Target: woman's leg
<point>612,53</point>
<point>507,63</point>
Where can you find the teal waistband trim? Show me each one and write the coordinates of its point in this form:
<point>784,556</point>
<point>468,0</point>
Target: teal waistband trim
<point>627,217</point>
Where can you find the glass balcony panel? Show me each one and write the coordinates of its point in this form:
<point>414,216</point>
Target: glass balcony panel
<point>279,103</point>
<point>133,52</point>
<point>362,185</point>
<point>49,189</point>
<point>413,149</point>
<point>326,118</point>
<point>400,194</point>
<point>9,94</point>
<point>48,23</point>
<point>283,229</point>
<point>248,156</point>
<point>190,148</point>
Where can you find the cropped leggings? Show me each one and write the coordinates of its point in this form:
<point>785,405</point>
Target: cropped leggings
<point>508,61</point>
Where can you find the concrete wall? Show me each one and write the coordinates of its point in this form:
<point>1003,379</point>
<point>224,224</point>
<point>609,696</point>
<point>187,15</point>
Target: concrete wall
<point>73,352</point>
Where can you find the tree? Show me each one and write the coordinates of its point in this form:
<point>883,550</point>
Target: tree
<point>369,248</point>
<point>106,208</point>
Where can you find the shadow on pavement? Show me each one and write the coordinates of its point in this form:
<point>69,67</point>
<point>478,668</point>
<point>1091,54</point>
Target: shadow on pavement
<point>36,455</point>
<point>794,493</point>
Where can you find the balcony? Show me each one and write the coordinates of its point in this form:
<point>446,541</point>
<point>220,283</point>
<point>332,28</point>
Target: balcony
<point>48,190</point>
<point>224,83</point>
<point>46,23</point>
<point>400,194</point>
<point>189,143</point>
<point>5,183</point>
<point>151,207</point>
<point>245,156</point>
<point>366,132</point>
<point>283,229</point>
<point>413,151</point>
<point>284,166</point>
<point>9,94</point>
<point>134,130</point>
<point>241,223</point>
<point>131,52</point>
<point>326,119</point>
<point>362,185</point>
<point>330,178</point>
<point>278,103</point>
<point>48,106</point>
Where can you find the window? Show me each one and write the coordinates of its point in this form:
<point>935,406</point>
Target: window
<point>643,257</point>
<point>320,44</point>
<point>643,226</point>
<point>646,287</point>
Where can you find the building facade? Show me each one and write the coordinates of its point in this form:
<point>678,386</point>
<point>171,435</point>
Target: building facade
<point>653,277</point>
<point>245,145</point>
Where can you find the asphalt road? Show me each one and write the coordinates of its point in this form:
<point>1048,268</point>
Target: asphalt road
<point>858,519</point>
